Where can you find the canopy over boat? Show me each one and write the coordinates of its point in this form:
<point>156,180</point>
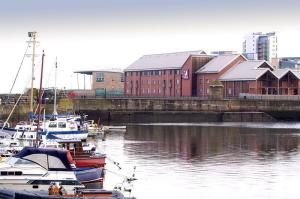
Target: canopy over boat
<point>50,159</point>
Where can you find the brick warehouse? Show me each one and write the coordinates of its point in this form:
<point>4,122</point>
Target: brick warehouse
<point>169,74</point>
<point>213,70</point>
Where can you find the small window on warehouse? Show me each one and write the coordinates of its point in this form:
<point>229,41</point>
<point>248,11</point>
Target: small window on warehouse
<point>99,77</point>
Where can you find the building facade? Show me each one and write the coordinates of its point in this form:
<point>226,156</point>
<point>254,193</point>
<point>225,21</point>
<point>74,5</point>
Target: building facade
<point>213,70</point>
<point>165,75</point>
<point>289,62</point>
<point>260,46</point>
<point>103,82</point>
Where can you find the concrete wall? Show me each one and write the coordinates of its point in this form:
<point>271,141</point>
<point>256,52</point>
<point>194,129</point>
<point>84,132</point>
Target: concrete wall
<point>134,104</point>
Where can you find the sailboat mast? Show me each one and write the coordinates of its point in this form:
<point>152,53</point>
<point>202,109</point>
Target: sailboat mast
<point>33,35</point>
<point>40,100</point>
<point>54,108</point>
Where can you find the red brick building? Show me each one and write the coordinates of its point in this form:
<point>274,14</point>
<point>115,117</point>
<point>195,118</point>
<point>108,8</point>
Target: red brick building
<point>213,70</point>
<point>170,74</point>
<point>258,77</point>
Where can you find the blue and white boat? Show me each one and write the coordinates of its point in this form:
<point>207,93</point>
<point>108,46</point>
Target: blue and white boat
<point>34,169</point>
<point>65,128</point>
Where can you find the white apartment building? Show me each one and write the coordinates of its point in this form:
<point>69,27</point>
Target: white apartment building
<point>260,46</point>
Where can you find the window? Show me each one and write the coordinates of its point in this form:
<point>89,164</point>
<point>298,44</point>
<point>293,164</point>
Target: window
<point>52,125</point>
<point>207,90</point>
<point>62,125</point>
<point>148,90</point>
<point>99,77</point>
<point>207,81</point>
<point>159,90</point>
<point>229,91</point>
<point>156,72</point>
<point>200,90</point>
<point>200,81</point>
<point>136,73</point>
<point>170,72</point>
<point>177,72</point>
<point>153,90</point>
<point>122,77</point>
<point>143,91</point>
<point>154,82</point>
<point>164,72</point>
<point>177,81</point>
<point>149,82</point>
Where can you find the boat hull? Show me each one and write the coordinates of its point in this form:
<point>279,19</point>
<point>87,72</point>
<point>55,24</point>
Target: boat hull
<point>92,162</point>
<point>66,135</point>
<point>92,178</point>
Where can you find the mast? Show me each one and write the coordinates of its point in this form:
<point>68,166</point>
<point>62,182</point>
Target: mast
<point>54,108</point>
<point>33,36</point>
<point>40,99</point>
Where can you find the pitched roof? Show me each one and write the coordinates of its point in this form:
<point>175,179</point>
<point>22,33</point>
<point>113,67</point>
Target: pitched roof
<point>296,73</point>
<point>162,61</point>
<point>247,70</point>
<point>279,73</point>
<point>218,63</point>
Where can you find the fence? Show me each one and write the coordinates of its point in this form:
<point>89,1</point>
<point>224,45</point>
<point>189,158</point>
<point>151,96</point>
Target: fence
<point>247,96</point>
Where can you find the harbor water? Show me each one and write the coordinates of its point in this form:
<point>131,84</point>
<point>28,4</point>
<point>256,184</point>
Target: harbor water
<point>206,160</point>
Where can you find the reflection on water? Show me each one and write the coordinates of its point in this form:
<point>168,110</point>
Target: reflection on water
<point>193,161</point>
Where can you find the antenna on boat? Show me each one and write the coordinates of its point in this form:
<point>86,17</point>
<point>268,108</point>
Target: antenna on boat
<point>40,100</point>
<point>54,108</point>
<point>32,35</point>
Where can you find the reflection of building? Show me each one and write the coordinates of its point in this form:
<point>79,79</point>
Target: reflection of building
<point>259,46</point>
<point>170,74</point>
<point>103,82</point>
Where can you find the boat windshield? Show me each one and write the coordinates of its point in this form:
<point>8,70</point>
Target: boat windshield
<point>16,161</point>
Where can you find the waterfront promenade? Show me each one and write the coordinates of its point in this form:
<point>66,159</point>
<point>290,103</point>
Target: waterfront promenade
<point>172,110</point>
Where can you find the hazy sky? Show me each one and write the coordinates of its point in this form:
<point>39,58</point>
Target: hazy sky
<point>96,34</point>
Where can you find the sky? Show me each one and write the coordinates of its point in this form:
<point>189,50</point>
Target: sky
<point>98,34</point>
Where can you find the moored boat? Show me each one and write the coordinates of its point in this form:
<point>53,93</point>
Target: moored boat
<point>83,158</point>
<point>34,169</point>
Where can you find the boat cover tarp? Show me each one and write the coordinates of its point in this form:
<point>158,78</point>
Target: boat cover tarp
<point>50,159</point>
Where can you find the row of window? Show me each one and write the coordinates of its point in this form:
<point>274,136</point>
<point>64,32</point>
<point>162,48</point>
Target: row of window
<point>228,91</point>
<point>153,73</point>
<point>100,77</point>
<point>154,82</point>
<point>154,91</point>
<point>206,81</point>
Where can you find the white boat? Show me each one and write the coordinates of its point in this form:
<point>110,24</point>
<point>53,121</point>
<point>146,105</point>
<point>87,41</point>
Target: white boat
<point>64,128</point>
<point>35,169</point>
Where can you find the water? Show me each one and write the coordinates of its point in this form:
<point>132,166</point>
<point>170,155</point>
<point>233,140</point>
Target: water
<point>193,161</point>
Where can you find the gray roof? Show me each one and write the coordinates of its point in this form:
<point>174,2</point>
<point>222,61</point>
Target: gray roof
<point>162,61</point>
<point>247,70</point>
<point>218,63</point>
<point>279,73</point>
<point>296,73</point>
